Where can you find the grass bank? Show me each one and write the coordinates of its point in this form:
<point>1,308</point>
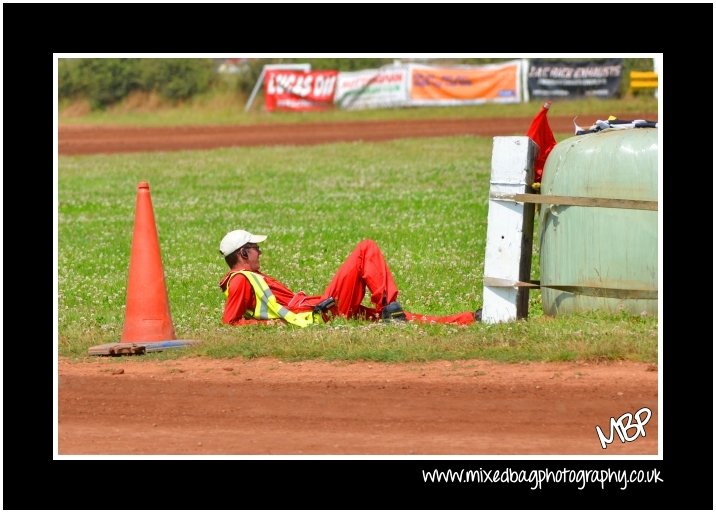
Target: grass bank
<point>222,107</point>
<point>423,200</point>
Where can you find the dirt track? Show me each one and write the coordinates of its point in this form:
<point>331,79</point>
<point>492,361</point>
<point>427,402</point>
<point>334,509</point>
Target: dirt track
<point>76,140</point>
<point>265,406</point>
<point>239,407</point>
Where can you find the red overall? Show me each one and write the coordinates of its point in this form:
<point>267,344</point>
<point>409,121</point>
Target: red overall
<point>364,267</point>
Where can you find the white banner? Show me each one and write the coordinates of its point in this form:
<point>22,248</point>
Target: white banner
<point>373,88</point>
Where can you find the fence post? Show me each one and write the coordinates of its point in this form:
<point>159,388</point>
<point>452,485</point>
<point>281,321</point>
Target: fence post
<point>510,225</point>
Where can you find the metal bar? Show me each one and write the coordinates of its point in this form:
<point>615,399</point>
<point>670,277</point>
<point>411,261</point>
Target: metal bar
<point>579,201</point>
<point>607,292</point>
<point>256,89</point>
<point>644,84</point>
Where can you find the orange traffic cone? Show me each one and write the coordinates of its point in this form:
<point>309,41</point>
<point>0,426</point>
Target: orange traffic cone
<point>147,316</point>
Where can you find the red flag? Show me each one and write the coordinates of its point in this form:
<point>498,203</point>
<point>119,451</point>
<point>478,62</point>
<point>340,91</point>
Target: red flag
<point>541,134</point>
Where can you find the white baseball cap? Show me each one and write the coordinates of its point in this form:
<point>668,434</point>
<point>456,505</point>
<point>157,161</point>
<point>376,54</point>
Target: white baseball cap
<point>234,240</point>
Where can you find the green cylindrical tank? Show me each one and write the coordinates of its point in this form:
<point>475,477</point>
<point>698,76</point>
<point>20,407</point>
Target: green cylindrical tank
<point>588,250</point>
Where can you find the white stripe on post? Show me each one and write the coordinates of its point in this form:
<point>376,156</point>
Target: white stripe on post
<point>508,248</point>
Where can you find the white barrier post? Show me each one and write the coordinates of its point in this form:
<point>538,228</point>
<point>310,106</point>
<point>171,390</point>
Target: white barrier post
<point>508,248</point>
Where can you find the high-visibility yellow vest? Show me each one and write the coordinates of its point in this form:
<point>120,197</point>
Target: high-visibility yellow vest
<point>267,307</point>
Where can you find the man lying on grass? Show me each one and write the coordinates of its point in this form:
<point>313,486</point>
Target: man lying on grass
<point>253,297</point>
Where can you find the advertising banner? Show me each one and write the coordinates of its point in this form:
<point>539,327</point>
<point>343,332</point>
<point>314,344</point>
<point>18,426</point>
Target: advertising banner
<point>299,90</point>
<point>464,85</point>
<point>555,79</point>
<point>372,88</point>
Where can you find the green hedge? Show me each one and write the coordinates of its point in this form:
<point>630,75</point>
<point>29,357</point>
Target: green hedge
<point>107,81</point>
<point>176,79</point>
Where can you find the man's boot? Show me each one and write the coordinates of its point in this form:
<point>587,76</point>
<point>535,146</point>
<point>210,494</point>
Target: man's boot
<point>393,312</point>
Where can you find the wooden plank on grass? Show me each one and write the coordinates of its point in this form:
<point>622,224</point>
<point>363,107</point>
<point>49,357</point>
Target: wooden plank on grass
<point>131,349</point>
<point>117,349</point>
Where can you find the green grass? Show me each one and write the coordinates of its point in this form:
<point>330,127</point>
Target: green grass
<point>423,200</point>
<point>585,336</point>
<point>227,108</point>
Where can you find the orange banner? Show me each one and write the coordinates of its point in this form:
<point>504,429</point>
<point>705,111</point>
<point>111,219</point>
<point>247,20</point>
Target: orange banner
<point>498,83</point>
